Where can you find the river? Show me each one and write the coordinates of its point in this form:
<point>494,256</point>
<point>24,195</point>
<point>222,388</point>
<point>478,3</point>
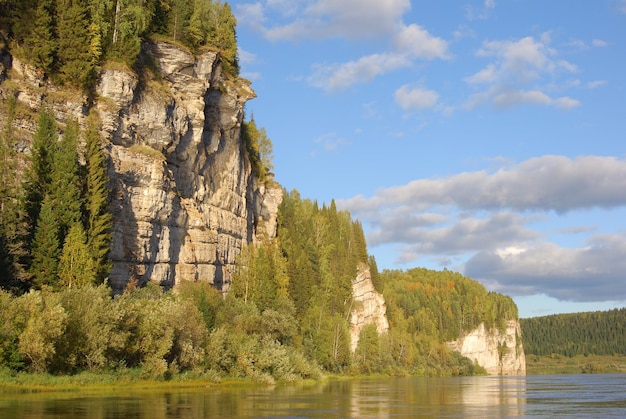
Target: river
<point>540,396</point>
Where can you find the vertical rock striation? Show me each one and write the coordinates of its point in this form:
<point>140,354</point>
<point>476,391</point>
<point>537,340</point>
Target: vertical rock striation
<point>368,307</point>
<point>500,353</point>
<point>184,197</point>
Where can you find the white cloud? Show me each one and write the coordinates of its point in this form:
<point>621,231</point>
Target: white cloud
<point>416,42</point>
<point>548,183</point>
<point>320,19</point>
<point>416,99</point>
<point>599,43</point>
<point>517,65</point>
<point>596,83</point>
<point>591,273</point>
<point>338,77</point>
<point>490,218</point>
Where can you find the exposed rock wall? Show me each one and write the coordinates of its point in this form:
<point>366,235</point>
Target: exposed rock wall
<point>184,198</point>
<point>499,353</point>
<point>368,307</point>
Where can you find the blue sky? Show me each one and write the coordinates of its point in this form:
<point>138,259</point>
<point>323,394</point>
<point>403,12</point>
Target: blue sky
<point>486,136</point>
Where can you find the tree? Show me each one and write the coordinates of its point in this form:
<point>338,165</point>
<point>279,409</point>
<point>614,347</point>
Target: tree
<point>41,44</point>
<point>75,62</point>
<point>65,188</point>
<point>99,218</point>
<point>76,265</point>
<point>38,175</point>
<point>45,248</point>
<point>12,227</point>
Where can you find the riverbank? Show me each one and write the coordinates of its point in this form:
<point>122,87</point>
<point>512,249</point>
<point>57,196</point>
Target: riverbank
<point>23,382</point>
<point>559,364</point>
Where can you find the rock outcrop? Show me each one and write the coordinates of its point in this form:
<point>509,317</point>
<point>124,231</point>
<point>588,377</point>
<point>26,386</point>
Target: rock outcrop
<point>499,353</point>
<point>368,307</point>
<point>184,197</point>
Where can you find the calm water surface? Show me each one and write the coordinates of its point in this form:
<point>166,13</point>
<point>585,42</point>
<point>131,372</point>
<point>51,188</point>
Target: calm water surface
<point>570,396</point>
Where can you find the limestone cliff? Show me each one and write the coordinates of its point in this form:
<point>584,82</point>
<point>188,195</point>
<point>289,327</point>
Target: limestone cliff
<point>500,353</point>
<point>368,307</point>
<point>184,197</point>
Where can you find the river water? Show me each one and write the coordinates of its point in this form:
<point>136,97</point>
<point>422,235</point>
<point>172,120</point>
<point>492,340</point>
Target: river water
<point>568,396</point>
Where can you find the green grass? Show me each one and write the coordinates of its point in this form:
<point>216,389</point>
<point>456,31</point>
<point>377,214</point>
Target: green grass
<point>559,364</point>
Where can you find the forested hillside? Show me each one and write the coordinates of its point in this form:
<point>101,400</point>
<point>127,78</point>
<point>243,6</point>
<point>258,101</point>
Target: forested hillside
<point>592,333</point>
<point>427,308</point>
<point>67,40</point>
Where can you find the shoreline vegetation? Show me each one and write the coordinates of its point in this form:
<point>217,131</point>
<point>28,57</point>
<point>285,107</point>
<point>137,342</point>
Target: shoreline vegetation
<point>130,379</point>
<point>579,364</point>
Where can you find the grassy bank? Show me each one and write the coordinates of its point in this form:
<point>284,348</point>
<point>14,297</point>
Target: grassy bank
<point>559,364</point>
<point>32,383</point>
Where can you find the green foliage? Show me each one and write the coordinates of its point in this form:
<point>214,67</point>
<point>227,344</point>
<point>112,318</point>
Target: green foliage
<point>37,179</point>
<point>46,248</point>
<point>259,148</point>
<point>75,60</point>
<point>76,264</point>
<point>591,333</point>
<point>41,43</point>
<point>13,229</point>
<point>99,218</point>
<point>65,184</point>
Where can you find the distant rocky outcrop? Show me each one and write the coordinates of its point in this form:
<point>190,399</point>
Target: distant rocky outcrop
<point>184,196</point>
<point>499,352</point>
<point>368,307</point>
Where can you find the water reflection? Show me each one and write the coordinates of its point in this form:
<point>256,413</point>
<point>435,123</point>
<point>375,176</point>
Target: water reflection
<point>534,396</point>
<point>369,398</point>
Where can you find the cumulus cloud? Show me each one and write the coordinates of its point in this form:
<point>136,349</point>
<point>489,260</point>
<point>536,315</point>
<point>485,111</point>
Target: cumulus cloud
<point>336,77</point>
<point>320,19</point>
<point>349,19</point>
<point>416,99</point>
<point>594,272</point>
<point>409,44</point>
<point>548,183</point>
<point>517,64</point>
<point>489,219</point>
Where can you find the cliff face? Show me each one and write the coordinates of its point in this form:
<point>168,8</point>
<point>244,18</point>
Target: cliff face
<point>499,353</point>
<point>184,198</point>
<point>369,307</point>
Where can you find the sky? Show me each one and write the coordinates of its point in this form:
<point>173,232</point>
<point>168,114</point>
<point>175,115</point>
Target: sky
<point>481,136</point>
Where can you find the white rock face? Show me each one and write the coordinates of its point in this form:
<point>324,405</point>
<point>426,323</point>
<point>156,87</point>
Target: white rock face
<point>369,307</point>
<point>184,198</point>
<point>499,353</point>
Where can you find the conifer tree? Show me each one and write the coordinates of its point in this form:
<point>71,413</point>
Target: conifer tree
<point>45,247</point>
<point>76,265</point>
<point>12,235</point>
<point>65,189</point>
<point>75,62</point>
<point>41,43</point>
<point>38,176</point>
<point>99,219</point>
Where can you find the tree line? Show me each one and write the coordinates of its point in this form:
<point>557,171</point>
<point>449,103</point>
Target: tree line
<point>591,333</point>
<point>428,308</point>
<point>68,40</point>
<point>55,219</point>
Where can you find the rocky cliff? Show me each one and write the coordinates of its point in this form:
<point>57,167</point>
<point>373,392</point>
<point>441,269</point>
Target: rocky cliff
<point>368,307</point>
<point>500,353</point>
<point>184,197</point>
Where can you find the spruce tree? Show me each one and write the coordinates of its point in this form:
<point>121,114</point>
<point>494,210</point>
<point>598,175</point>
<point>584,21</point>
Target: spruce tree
<point>37,178</point>
<point>41,43</point>
<point>65,189</point>
<point>45,248</point>
<point>76,64</point>
<point>76,266</point>
<point>99,218</point>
